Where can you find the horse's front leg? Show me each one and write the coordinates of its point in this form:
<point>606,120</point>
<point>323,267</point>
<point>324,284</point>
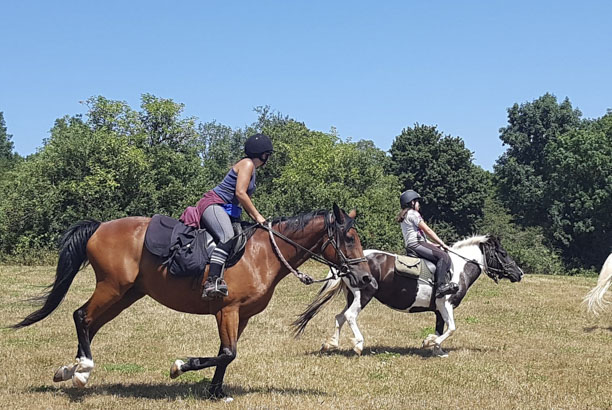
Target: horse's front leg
<point>444,314</point>
<point>230,326</point>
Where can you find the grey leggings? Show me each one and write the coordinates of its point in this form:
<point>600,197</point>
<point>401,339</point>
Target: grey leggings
<point>432,253</point>
<point>218,223</point>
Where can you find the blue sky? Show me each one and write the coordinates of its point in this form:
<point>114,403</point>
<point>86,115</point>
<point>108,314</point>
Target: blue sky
<point>369,69</point>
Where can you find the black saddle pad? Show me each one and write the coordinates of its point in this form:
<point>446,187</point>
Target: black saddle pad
<point>186,250</point>
<point>159,232</point>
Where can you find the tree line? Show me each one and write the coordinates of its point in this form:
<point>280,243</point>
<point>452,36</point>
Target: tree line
<point>549,196</point>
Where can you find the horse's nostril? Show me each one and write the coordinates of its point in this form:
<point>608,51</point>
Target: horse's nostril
<point>367,279</point>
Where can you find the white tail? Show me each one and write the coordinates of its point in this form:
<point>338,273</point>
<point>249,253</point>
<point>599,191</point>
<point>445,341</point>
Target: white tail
<point>594,300</point>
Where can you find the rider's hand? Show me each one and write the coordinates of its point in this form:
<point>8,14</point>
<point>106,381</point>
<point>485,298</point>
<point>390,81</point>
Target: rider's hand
<point>260,219</point>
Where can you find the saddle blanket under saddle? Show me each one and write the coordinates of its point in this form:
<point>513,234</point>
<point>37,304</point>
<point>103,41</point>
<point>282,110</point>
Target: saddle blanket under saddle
<point>415,268</point>
<point>183,248</point>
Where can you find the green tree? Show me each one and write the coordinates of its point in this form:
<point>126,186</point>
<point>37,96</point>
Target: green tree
<point>7,157</point>
<point>579,192</point>
<point>521,172</point>
<point>105,167</point>
<point>440,168</point>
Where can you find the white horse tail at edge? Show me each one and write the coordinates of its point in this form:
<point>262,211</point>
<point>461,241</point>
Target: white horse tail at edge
<point>594,300</point>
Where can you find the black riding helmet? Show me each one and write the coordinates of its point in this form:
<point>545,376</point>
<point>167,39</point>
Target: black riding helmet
<point>407,197</point>
<point>257,145</point>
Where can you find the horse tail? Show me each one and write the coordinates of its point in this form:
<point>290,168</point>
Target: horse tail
<point>325,295</point>
<point>72,258</point>
<point>594,300</point>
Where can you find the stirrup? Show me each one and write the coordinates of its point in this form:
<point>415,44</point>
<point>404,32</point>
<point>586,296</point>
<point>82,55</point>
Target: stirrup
<point>448,288</point>
<point>216,289</point>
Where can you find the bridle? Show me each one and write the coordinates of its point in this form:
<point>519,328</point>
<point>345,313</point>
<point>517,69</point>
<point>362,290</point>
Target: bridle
<point>333,236</point>
<point>492,272</point>
<point>488,251</point>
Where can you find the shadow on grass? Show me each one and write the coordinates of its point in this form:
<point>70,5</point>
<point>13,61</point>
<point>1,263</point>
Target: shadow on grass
<point>593,328</point>
<point>425,353</point>
<point>163,391</point>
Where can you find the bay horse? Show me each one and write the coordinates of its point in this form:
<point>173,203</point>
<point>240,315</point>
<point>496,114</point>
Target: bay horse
<point>126,271</point>
<point>469,258</point>
<point>594,300</point>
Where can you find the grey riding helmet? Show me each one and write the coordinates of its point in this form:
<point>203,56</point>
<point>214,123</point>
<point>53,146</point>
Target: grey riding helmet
<point>407,197</point>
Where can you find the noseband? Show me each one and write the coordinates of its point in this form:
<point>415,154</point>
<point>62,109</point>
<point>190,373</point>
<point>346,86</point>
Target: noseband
<point>333,236</point>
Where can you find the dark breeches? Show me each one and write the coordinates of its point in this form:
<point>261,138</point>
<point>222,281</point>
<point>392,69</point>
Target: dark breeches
<point>436,255</point>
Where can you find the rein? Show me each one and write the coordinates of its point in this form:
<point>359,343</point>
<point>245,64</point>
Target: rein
<point>345,263</point>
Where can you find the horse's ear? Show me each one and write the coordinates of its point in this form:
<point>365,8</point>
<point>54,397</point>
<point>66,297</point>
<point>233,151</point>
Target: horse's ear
<point>339,214</point>
<point>352,214</point>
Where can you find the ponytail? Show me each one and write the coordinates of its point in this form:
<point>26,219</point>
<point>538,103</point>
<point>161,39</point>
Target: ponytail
<point>401,215</point>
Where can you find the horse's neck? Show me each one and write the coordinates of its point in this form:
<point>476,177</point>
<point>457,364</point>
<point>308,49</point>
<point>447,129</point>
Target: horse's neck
<point>310,237</point>
<point>472,252</point>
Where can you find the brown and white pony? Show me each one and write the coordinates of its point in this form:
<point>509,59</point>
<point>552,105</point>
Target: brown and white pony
<point>469,258</point>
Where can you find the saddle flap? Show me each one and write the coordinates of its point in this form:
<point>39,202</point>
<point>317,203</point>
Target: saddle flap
<point>408,265</point>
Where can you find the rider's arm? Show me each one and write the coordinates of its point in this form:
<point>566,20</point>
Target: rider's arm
<point>244,169</point>
<point>431,234</point>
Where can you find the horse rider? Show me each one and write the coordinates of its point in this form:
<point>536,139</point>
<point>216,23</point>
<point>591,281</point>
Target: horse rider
<point>217,207</point>
<point>416,232</point>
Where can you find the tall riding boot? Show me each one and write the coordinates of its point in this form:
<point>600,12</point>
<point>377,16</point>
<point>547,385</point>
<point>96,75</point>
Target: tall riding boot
<point>443,287</point>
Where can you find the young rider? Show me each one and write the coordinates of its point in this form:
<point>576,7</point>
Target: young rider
<point>415,231</point>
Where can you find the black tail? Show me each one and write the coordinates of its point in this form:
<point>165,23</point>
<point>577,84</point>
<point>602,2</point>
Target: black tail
<point>72,258</point>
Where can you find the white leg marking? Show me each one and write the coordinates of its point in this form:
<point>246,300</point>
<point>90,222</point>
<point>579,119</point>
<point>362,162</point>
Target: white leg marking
<point>175,369</point>
<point>82,372</point>
<point>447,314</point>
<point>334,341</point>
<point>351,317</point>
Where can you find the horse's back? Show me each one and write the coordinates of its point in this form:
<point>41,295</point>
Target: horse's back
<point>116,247</point>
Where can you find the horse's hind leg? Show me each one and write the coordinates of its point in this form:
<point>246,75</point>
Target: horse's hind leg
<point>333,342</point>
<point>105,304</point>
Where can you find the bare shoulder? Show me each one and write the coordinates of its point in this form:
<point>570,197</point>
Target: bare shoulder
<point>245,164</point>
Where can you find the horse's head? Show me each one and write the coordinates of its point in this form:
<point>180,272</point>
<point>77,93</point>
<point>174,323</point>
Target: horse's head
<point>499,264</point>
<point>343,248</point>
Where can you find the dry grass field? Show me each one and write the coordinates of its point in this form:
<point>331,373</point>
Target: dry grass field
<point>527,345</point>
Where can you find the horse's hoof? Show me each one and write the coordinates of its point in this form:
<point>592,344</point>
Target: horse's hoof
<point>80,379</point>
<point>175,370</point>
<point>326,347</point>
<point>63,373</point>
<point>228,399</point>
<point>358,349</point>
<point>429,341</point>
<point>438,352</point>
